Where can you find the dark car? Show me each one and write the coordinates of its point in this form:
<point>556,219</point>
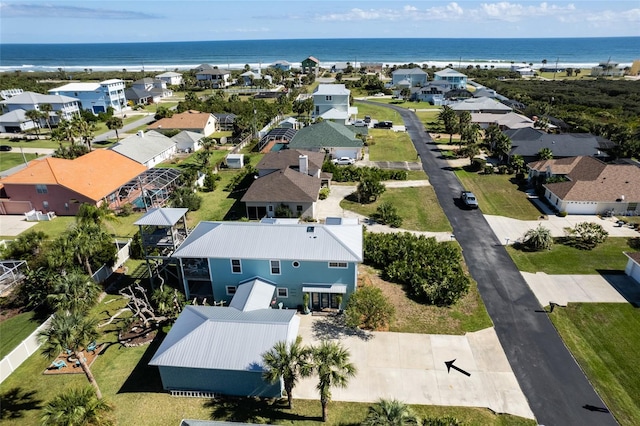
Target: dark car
<point>5,148</point>
<point>469,199</point>
<point>383,125</point>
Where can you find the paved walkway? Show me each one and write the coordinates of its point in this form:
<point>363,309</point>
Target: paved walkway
<point>510,230</point>
<point>562,289</point>
<point>330,207</point>
<point>411,368</point>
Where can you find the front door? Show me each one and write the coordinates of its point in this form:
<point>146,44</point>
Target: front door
<point>321,301</point>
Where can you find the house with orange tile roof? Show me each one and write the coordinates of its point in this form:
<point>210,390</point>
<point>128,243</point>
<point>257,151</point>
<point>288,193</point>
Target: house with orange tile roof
<point>193,121</point>
<point>60,185</point>
<point>586,185</point>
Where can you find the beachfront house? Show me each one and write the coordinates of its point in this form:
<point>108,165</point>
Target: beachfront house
<point>250,78</point>
<point>328,137</point>
<point>310,65</point>
<point>458,79</point>
<point>171,78</point>
<point>322,260</point>
<point>433,92</point>
<point>96,97</point>
<point>331,102</point>
<point>207,75</point>
<point>409,77</point>
<point>282,65</point>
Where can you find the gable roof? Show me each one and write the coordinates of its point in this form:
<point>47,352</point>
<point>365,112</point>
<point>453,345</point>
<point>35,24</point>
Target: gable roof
<point>448,72</point>
<point>137,93</point>
<point>480,104</point>
<point>529,141</point>
<point>252,295</point>
<point>94,175</point>
<point>144,148</point>
<point>250,240</point>
<point>510,120</point>
<point>285,185</point>
<point>593,180</point>
<point>407,71</point>
<point>286,158</point>
<point>187,136</point>
<point>312,59</point>
<point>325,134</point>
<point>191,119</point>
<point>224,338</point>
<point>169,74</point>
<point>15,116</point>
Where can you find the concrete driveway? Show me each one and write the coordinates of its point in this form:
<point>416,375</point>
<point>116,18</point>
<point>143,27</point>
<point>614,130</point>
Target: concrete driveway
<point>330,207</point>
<point>514,229</point>
<point>411,368</point>
<point>562,289</point>
<point>14,225</point>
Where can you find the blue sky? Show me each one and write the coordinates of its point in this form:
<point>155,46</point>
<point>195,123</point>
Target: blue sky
<point>91,21</point>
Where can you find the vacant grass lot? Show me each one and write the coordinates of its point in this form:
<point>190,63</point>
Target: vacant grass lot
<point>417,206</point>
<point>562,259</point>
<point>391,146</point>
<point>14,330</point>
<point>604,340</point>
<point>497,195</point>
<point>12,159</point>
<point>135,390</point>
<point>379,113</point>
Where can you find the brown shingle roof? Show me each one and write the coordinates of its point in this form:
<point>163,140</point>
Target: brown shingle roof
<point>285,185</point>
<point>286,158</point>
<point>593,180</point>
<point>186,120</point>
<point>94,175</point>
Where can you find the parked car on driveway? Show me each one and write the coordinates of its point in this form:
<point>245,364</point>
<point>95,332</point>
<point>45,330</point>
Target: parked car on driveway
<point>469,199</point>
<point>343,161</point>
<point>383,125</point>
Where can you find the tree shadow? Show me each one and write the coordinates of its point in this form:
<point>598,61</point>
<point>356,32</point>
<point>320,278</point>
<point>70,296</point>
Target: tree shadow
<point>144,377</point>
<point>334,327</point>
<point>623,284</point>
<point>253,410</point>
<point>15,401</point>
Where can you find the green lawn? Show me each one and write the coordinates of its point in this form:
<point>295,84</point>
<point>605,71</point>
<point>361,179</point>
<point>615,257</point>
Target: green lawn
<point>12,159</point>
<point>497,195</point>
<point>604,339</point>
<point>418,207</point>
<point>135,391</point>
<point>37,143</point>
<point>14,330</point>
<point>380,113</point>
<point>562,259</point>
<point>391,146</point>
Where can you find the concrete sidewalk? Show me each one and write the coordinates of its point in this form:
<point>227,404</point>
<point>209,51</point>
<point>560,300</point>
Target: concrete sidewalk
<point>411,368</point>
<point>510,230</point>
<point>14,225</point>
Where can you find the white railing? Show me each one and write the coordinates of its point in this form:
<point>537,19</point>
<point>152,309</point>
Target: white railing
<point>24,350</point>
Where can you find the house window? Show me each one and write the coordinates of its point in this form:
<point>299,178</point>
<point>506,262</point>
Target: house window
<point>275,267</point>
<point>270,208</point>
<point>41,189</point>
<point>231,290</point>
<point>295,264</point>
<point>327,98</point>
<point>283,292</point>
<point>45,205</point>
<point>341,265</point>
<point>236,266</point>
<point>299,209</point>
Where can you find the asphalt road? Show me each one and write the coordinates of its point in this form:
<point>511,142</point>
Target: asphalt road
<point>556,388</point>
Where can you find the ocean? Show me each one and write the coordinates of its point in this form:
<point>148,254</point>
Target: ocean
<point>168,56</point>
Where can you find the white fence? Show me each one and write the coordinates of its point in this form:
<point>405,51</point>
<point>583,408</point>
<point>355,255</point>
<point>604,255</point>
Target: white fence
<point>23,351</point>
<point>123,254</point>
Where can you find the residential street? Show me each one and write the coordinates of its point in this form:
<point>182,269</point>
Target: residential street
<point>555,386</point>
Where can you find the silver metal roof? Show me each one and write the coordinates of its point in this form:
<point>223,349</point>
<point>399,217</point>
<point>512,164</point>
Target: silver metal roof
<point>253,295</point>
<point>248,240</point>
<point>324,288</point>
<point>164,216</point>
<point>144,148</point>
<point>224,338</point>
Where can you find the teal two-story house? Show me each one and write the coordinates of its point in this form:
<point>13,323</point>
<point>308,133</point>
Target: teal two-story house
<point>321,260</point>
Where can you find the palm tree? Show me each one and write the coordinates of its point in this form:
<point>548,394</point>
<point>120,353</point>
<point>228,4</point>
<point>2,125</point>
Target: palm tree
<point>517,162</point>
<point>449,120</point>
<point>115,123</point>
<point>73,292</point>
<point>289,362</point>
<point>34,115</point>
<point>73,332</point>
<point>470,151</point>
<point>89,214</point>
<point>331,363</point>
<point>545,154</point>
<point>537,239</point>
<point>502,146</point>
<point>390,413</point>
<point>46,110</point>
<point>470,133</point>
<point>491,134</point>
<point>76,407</point>
<point>84,129</point>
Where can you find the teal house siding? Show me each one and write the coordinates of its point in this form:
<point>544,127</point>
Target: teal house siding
<point>227,382</point>
<point>290,277</point>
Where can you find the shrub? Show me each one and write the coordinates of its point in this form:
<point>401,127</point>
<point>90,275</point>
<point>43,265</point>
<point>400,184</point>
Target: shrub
<point>477,164</point>
<point>488,169</point>
<point>387,214</point>
<point>562,214</point>
<point>538,239</point>
<point>587,235</point>
<point>324,193</point>
<point>502,169</point>
<point>209,182</point>
<point>368,308</point>
<point>126,210</point>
